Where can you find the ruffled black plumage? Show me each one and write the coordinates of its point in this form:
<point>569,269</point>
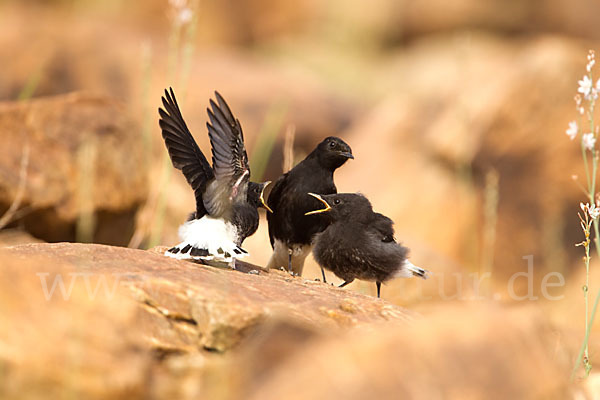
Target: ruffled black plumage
<point>359,243</point>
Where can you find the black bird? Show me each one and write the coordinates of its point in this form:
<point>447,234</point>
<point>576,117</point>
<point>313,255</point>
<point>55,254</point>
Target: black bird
<point>291,232</point>
<point>226,201</point>
<point>359,243</point>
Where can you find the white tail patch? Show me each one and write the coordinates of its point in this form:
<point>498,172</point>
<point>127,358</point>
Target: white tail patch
<point>408,270</point>
<point>207,238</point>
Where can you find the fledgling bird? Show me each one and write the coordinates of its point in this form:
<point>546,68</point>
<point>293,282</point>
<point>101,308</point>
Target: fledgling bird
<point>291,231</point>
<point>226,200</point>
<point>359,243</point>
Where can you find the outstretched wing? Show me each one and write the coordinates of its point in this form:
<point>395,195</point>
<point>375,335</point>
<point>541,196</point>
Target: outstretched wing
<point>230,161</point>
<point>183,150</point>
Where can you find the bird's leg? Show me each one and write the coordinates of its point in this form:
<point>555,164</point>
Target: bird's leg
<point>232,264</point>
<point>378,289</point>
<point>346,283</point>
<point>323,272</point>
<point>290,252</point>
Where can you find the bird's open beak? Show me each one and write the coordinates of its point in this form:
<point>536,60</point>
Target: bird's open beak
<point>347,154</point>
<point>262,197</point>
<point>327,206</point>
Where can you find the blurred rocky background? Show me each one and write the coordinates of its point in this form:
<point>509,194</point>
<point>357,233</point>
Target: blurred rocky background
<point>456,113</point>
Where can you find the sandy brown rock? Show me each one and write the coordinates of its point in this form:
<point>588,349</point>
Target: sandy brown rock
<point>457,351</point>
<point>498,16</point>
<point>97,321</point>
<point>133,324</point>
<point>208,307</point>
<point>76,141</point>
<point>502,354</point>
<point>12,237</point>
<point>74,344</point>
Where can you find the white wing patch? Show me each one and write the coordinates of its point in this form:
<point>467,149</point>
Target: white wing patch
<point>207,238</point>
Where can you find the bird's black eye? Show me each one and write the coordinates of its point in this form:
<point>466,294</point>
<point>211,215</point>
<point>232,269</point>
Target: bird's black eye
<point>387,238</point>
<point>336,201</point>
<point>332,144</point>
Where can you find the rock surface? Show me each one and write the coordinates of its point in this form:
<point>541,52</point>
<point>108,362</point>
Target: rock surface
<point>85,156</point>
<point>435,358</point>
<point>12,237</point>
<point>95,321</point>
<point>192,307</point>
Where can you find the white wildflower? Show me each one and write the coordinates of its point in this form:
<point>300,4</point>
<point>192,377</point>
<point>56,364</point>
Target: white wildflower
<point>581,110</point>
<point>589,141</point>
<point>593,211</point>
<point>590,64</point>
<point>585,86</point>
<point>573,129</point>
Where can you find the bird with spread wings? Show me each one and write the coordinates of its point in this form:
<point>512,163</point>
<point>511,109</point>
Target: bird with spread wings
<point>227,201</point>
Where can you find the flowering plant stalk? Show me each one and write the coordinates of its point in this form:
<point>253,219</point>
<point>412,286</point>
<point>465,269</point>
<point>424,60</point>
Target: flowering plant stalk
<point>585,101</point>
<point>184,19</point>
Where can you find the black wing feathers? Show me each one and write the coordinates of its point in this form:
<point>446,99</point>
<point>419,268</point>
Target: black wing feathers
<point>384,227</point>
<point>183,150</point>
<point>227,139</point>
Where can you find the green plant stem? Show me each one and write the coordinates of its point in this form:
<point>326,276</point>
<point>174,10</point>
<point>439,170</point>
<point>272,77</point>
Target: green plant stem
<point>586,293</point>
<point>594,157</point>
<point>594,170</point>
<point>586,338</point>
<point>589,322</point>
<point>585,165</point>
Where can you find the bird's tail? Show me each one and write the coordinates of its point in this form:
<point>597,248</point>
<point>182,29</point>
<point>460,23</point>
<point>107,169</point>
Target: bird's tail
<point>409,270</point>
<point>207,239</point>
<point>188,251</point>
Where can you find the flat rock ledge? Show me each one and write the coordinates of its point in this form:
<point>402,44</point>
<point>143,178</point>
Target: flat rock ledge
<point>184,306</point>
<point>101,322</point>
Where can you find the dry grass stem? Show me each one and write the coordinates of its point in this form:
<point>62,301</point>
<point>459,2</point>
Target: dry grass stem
<point>14,207</point>
<point>288,148</point>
